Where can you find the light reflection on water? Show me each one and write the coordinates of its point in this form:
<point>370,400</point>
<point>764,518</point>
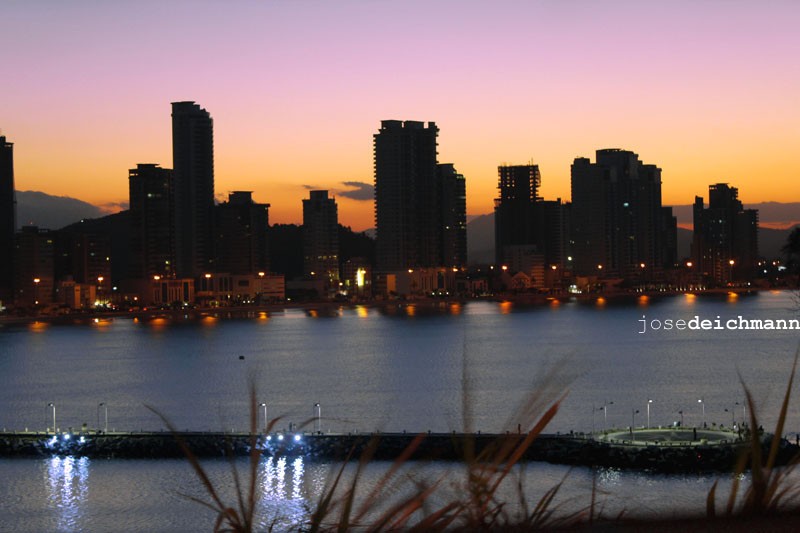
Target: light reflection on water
<point>67,484</point>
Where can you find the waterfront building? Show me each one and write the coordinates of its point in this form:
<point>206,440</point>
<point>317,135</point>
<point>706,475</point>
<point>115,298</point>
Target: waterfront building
<point>514,209</point>
<point>725,237</point>
<point>617,221</point>
<point>321,239</point>
<point>33,268</point>
<point>193,175</point>
<point>8,224</point>
<point>453,195</point>
<point>407,207</point>
<point>526,225</point>
<point>240,231</point>
<point>151,222</point>
<point>357,277</point>
<point>84,257</point>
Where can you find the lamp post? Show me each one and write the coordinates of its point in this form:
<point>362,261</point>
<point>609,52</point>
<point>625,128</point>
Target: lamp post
<point>633,419</point>
<point>649,401</point>
<point>605,414</point>
<point>100,280</point>
<point>36,282</point>
<point>51,404</point>
<point>318,410</point>
<point>681,413</point>
<point>703,405</point>
<point>744,412</point>
<point>266,420</point>
<point>105,408</point>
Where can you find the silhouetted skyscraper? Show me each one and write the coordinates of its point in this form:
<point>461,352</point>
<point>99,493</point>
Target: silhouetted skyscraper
<point>152,222</point>
<point>528,225</point>
<point>453,198</point>
<point>33,267</point>
<point>617,215</point>
<point>514,210</point>
<point>240,228</point>
<point>193,174</point>
<point>407,207</point>
<point>321,237</point>
<point>8,209</point>
<point>725,238</point>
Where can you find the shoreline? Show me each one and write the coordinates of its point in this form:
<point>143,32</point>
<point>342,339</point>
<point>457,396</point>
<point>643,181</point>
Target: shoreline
<point>253,311</point>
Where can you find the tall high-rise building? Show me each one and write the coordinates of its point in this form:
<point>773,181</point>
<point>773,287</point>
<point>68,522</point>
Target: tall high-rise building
<point>453,197</point>
<point>193,175</point>
<point>152,222</point>
<point>33,267</point>
<point>514,209</point>
<point>8,209</point>
<point>321,237</point>
<point>617,215</point>
<point>407,206</point>
<point>725,238</point>
<point>240,227</point>
<point>526,224</point>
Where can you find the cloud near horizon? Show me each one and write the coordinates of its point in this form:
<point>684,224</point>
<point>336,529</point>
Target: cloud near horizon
<point>359,191</point>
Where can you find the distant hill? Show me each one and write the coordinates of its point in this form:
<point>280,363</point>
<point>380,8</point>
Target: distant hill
<point>770,214</point>
<point>480,239</point>
<point>36,208</point>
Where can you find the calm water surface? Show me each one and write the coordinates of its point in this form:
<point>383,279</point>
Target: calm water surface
<point>478,366</point>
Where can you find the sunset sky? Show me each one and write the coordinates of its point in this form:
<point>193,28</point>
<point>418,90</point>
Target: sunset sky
<point>709,91</point>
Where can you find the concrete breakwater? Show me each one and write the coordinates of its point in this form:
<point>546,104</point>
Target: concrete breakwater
<point>661,455</point>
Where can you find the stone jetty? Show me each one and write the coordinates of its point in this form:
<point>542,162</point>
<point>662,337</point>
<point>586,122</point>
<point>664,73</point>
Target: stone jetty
<point>668,450</point>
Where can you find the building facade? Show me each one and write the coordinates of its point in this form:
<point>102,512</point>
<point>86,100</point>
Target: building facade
<point>407,207</point>
<point>725,238</point>
<point>514,209</point>
<point>152,222</point>
<point>453,197</point>
<point>34,282</point>
<point>8,223</point>
<point>240,230</point>
<point>321,238</point>
<point>193,175</point>
<point>617,217</point>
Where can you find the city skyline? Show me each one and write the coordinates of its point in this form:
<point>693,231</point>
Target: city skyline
<point>707,90</point>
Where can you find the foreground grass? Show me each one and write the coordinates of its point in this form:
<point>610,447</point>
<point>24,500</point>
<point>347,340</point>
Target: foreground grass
<point>399,502</point>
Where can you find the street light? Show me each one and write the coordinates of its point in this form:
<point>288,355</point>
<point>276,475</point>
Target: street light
<point>36,282</point>
<point>266,420</point>
<point>681,413</point>
<point>649,401</point>
<point>319,415</point>
<point>105,407</point>
<point>51,404</point>
<point>605,413</point>
<point>634,412</point>
<point>703,405</point>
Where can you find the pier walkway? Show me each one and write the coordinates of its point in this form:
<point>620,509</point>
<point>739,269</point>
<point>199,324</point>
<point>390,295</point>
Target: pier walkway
<point>664,450</point>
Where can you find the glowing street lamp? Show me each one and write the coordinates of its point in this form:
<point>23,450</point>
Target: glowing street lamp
<point>51,404</point>
<point>266,420</point>
<point>36,282</point>
<point>318,410</point>
<point>703,405</point>
<point>649,401</point>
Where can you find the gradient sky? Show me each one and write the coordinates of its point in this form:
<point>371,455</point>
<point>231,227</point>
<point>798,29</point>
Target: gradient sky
<point>708,91</point>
